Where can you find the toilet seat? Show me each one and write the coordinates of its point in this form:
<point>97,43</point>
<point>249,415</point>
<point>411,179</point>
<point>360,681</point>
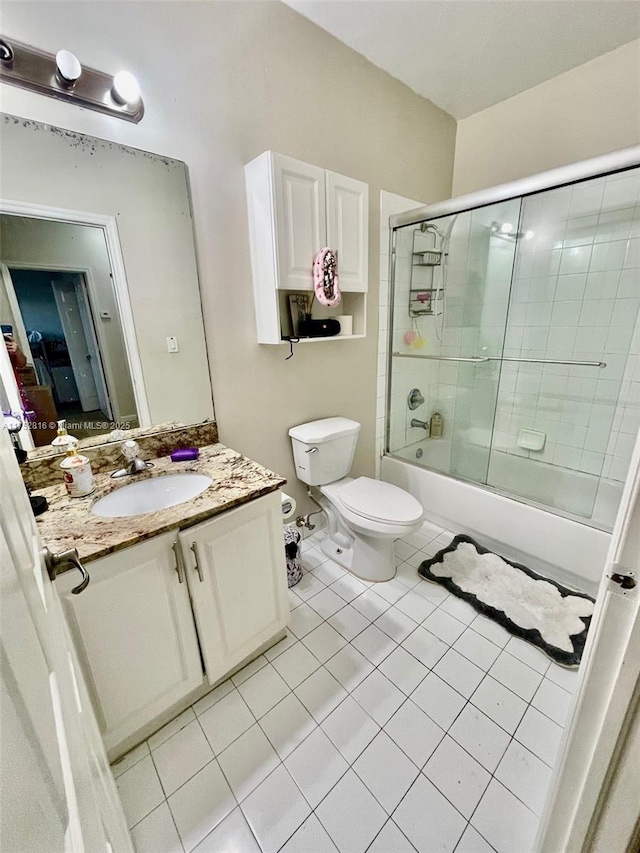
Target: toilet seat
<point>378,501</point>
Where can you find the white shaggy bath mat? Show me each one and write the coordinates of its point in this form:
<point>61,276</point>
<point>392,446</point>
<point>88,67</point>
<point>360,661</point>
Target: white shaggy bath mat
<point>550,616</point>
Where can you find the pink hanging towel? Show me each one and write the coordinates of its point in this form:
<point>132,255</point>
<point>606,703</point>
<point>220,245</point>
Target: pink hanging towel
<point>325,278</point>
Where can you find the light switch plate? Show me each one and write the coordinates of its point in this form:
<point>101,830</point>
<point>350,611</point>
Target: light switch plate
<point>172,344</point>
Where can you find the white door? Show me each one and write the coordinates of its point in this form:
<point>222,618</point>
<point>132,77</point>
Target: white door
<point>348,230</point>
<point>300,220</point>
<point>58,793</point>
<point>605,704</point>
<point>67,303</point>
<point>95,359</point>
<point>136,637</point>
<point>238,580</point>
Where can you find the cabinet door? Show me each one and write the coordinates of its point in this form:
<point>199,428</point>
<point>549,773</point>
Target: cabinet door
<point>300,220</point>
<point>348,229</point>
<point>135,635</point>
<point>238,579</point>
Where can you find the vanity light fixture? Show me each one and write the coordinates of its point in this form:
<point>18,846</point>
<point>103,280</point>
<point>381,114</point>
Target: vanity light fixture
<point>62,76</point>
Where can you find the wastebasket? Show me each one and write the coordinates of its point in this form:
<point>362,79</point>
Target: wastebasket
<point>293,550</point>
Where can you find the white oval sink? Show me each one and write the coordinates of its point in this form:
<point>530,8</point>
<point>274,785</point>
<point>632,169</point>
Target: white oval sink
<point>151,495</point>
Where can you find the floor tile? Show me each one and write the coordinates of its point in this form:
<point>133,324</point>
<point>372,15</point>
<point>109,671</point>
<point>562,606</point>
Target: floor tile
<point>444,626</point>
<point>329,572</point>
<point>525,775</point>
<point>350,728</point>
<point>302,620</point>
<point>480,736</point>
<point>473,842</point>
<point>172,728</point>
<point>180,757</point>
<point>418,540</point>
<point>350,667</point>
<point>552,701</point>
<point>477,649</point>
<point>459,672</point>
<point>264,690</point>
<point>312,837</point>
<point>563,677</point>
<point>391,840</point>
<point>249,670</point>
<point>297,663</point>
<point>156,833</point>
<point>408,575</point>
<point>323,642</point>
<point>316,766</point>
<point>416,734</point>
<point>294,600</point>
<point>415,607</point>
<point>348,622</point>
<point>351,815</point>
<point>428,819</point>
<point>212,697</point>
<point>433,592</point>
<point>437,699</point>
<point>425,646</point>
<point>370,604</point>
<point>540,735</point>
<point>140,790</point>
<point>491,630</point>
<point>515,675</point>
<point>309,586</point>
<point>287,725</point>
<point>248,761</point>
<point>498,702</point>
<point>395,624</point>
<point>403,549</point>
<point>200,804</point>
<point>326,603</point>
<point>529,654</point>
<point>459,609</point>
<point>379,697</point>
<point>403,670</point>
<point>312,557</point>
<point>275,810</point>
<point>392,591</point>
<point>232,835</point>
<point>417,559</point>
<point>505,836</point>
<point>320,693</point>
<point>131,758</point>
<point>282,646</point>
<point>431,530</point>
<point>386,771</point>
<point>374,644</point>
<point>457,775</point>
<point>226,720</point>
<point>348,587</point>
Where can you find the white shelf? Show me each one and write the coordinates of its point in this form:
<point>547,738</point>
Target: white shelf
<point>323,340</point>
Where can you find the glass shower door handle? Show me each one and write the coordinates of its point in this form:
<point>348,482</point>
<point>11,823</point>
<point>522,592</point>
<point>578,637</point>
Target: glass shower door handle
<point>476,359</point>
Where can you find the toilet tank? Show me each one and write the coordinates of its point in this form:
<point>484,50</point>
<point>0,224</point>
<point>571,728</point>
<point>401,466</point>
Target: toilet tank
<point>323,450</point>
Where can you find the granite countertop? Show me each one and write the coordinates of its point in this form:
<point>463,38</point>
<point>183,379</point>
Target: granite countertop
<point>69,522</point>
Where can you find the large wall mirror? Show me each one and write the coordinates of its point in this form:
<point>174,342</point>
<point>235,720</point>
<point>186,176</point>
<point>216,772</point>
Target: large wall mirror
<point>99,297</point>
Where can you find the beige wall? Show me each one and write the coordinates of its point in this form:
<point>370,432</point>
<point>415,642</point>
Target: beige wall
<point>590,110</point>
<point>250,77</point>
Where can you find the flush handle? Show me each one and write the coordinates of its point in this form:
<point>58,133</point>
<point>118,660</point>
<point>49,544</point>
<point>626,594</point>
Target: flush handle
<point>625,580</point>
<point>194,548</point>
<point>312,450</point>
<point>57,563</point>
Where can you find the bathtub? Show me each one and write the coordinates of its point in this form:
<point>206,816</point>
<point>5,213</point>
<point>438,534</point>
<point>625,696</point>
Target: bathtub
<point>570,552</point>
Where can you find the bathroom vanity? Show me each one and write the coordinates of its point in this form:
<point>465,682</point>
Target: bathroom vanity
<point>178,598</point>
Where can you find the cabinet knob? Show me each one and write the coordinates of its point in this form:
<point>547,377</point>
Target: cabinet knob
<point>55,563</point>
<point>194,548</point>
<point>178,556</point>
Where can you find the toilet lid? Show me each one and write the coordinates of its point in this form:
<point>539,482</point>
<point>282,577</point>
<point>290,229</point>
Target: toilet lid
<point>380,501</point>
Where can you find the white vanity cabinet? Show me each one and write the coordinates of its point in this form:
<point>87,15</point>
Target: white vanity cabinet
<point>236,568</point>
<point>135,635</point>
<point>295,209</point>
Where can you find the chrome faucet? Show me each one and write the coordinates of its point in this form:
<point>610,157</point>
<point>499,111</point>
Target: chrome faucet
<point>421,424</point>
<point>135,465</point>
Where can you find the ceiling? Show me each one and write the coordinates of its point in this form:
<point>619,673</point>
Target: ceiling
<point>465,55</point>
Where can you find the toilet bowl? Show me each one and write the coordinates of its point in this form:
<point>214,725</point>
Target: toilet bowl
<point>364,516</point>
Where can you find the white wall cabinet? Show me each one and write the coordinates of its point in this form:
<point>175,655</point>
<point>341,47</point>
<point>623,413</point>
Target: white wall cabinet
<point>134,625</point>
<point>238,605</point>
<point>296,209</point>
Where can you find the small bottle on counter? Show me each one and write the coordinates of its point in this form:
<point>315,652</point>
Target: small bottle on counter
<point>77,473</point>
<point>436,425</point>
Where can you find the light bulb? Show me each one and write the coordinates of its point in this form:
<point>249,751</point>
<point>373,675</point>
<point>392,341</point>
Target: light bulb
<point>506,228</point>
<point>67,66</point>
<point>125,88</point>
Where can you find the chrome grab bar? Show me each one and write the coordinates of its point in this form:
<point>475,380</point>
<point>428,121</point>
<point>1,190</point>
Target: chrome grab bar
<point>484,358</point>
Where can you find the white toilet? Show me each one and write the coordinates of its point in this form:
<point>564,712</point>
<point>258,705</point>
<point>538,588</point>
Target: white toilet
<point>364,516</point>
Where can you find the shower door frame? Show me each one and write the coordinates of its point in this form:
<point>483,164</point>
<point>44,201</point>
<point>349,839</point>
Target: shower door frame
<point>573,173</point>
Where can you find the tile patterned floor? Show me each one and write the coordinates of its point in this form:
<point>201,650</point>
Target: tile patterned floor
<point>393,718</point>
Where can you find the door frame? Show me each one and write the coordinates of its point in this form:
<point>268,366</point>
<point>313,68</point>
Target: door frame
<point>109,226</point>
